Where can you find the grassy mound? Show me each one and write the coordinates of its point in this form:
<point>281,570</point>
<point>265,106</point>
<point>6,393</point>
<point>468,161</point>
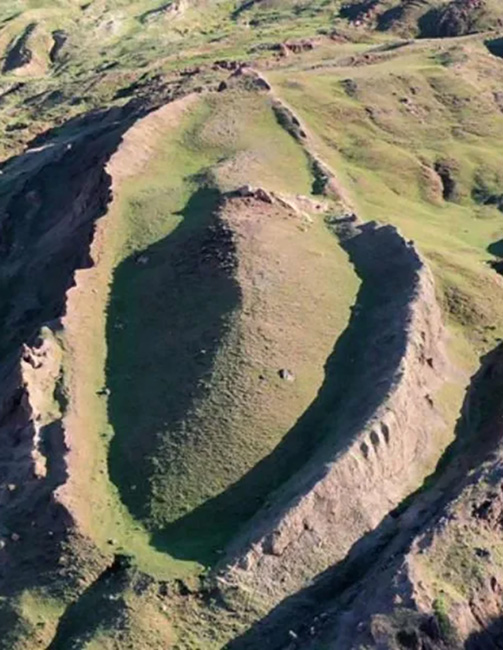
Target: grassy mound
<point>210,403</point>
<point>184,303</point>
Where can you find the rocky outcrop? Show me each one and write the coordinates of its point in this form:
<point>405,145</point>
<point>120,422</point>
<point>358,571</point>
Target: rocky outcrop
<point>324,180</point>
<point>425,18</point>
<point>51,199</point>
<point>19,54</point>
<point>440,588</point>
<point>378,434</point>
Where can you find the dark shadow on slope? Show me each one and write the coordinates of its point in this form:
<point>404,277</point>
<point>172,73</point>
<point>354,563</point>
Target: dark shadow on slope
<point>101,603</point>
<point>391,18</point>
<point>19,53</point>
<point>415,18</point>
<point>59,39</point>
<point>245,6</point>
<point>49,203</point>
<point>496,248</point>
<point>168,313</point>
<point>357,10</point>
<point>489,639</point>
<point>358,376</point>
<point>478,434</point>
<point>495,46</point>
<point>451,20</point>
<point>428,24</point>
<point>153,14</point>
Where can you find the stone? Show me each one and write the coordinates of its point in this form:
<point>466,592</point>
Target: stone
<point>286,375</point>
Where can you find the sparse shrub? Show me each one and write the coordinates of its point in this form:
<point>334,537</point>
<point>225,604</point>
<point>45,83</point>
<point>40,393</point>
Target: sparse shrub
<point>447,630</point>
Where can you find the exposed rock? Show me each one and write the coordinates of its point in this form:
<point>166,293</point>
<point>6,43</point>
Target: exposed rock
<point>294,47</point>
<point>286,374</point>
<point>226,64</point>
<point>249,78</point>
<point>256,193</point>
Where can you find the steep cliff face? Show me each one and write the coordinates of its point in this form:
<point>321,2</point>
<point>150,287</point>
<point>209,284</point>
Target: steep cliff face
<point>51,199</point>
<point>431,576</point>
<point>441,588</point>
<point>386,422</point>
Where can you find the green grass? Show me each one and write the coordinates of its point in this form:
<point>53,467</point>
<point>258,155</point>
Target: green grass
<point>164,391</point>
<point>384,158</point>
<point>195,388</point>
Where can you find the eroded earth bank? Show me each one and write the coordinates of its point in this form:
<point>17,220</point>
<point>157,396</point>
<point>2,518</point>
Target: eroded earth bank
<point>238,409</point>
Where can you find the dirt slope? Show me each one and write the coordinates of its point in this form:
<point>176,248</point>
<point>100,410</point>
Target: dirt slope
<point>440,587</point>
<point>37,529</point>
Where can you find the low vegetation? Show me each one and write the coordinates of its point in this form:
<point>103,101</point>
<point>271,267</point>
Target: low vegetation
<point>175,300</point>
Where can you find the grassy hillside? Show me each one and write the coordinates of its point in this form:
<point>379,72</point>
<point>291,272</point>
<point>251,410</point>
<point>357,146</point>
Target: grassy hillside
<point>158,356</point>
<point>390,129</point>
